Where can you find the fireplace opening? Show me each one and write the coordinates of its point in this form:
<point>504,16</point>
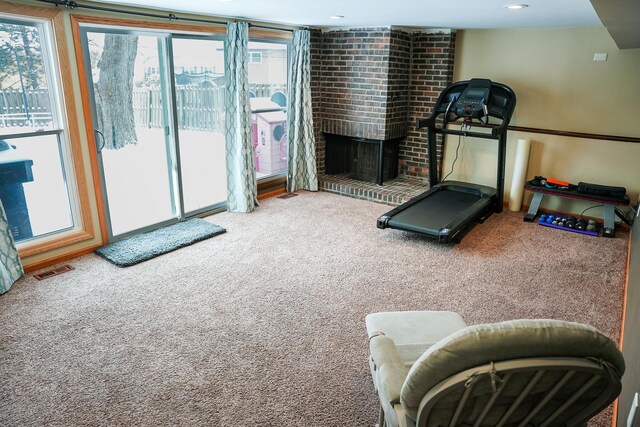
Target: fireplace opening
<point>363,159</point>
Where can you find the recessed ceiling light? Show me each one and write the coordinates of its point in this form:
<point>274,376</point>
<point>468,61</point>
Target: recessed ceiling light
<point>514,6</point>
<point>336,17</point>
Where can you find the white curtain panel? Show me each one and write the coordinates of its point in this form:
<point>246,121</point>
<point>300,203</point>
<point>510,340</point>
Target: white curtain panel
<point>10,265</point>
<point>302,172</point>
<point>242,188</point>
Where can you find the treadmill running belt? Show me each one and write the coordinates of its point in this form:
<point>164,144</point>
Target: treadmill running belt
<point>439,211</point>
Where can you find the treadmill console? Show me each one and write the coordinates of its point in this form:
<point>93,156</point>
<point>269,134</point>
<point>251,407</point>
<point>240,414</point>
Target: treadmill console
<point>475,99</point>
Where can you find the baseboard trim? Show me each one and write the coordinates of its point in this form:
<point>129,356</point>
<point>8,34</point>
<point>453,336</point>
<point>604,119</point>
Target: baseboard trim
<point>56,260</point>
<point>272,193</point>
<point>614,418</point>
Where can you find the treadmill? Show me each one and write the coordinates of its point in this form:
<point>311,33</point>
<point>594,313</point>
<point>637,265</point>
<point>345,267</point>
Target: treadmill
<point>449,208</point>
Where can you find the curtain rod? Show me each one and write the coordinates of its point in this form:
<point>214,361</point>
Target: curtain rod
<point>170,16</point>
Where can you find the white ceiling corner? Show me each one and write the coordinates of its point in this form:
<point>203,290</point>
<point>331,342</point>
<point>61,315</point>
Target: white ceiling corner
<point>454,14</point>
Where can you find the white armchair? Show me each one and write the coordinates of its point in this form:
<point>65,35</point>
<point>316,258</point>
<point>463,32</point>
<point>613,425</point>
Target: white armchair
<point>431,369</point>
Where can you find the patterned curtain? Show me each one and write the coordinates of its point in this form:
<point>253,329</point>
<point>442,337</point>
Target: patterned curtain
<point>242,189</point>
<point>10,265</point>
<point>302,173</point>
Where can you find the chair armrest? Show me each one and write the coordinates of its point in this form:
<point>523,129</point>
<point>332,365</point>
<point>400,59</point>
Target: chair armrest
<point>401,414</point>
<point>389,367</point>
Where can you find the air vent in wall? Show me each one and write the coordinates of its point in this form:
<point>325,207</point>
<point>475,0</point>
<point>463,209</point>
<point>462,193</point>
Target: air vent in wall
<point>53,272</point>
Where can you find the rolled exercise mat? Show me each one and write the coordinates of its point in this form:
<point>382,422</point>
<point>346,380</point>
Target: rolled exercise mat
<point>519,174</point>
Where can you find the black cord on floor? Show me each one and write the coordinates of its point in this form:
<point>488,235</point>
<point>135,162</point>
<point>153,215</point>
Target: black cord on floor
<point>454,160</point>
<point>590,207</point>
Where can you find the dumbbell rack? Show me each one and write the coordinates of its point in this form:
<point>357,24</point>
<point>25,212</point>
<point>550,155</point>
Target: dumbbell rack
<point>560,224</point>
<point>609,204</point>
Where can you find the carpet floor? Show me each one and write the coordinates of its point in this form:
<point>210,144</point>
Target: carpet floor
<point>264,325</point>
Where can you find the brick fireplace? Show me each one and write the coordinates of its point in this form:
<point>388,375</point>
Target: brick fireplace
<point>374,83</point>
<point>371,160</point>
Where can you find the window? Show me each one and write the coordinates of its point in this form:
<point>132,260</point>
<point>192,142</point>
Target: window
<point>37,182</point>
<point>157,105</point>
<point>255,57</point>
<point>268,90</point>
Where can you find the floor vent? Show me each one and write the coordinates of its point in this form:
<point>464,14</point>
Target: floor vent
<point>54,272</point>
<point>287,195</point>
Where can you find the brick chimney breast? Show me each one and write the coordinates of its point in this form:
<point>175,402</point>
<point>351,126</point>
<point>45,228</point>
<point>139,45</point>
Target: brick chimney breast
<point>372,83</point>
<point>359,96</point>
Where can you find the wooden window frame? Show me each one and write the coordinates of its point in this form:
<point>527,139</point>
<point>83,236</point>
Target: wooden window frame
<point>76,22</point>
<point>84,230</point>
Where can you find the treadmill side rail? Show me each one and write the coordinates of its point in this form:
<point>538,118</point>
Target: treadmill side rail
<point>382,221</point>
<point>444,236</point>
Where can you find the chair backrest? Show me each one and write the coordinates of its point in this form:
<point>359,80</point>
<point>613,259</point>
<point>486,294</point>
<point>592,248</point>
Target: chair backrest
<point>516,373</point>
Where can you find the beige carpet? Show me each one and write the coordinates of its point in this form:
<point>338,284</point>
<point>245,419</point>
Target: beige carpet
<point>264,325</point>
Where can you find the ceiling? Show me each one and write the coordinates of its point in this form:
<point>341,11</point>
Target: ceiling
<point>455,14</point>
<point>620,17</point>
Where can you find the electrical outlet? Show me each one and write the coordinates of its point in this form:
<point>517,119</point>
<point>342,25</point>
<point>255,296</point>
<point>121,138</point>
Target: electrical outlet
<point>600,56</point>
<point>633,411</point>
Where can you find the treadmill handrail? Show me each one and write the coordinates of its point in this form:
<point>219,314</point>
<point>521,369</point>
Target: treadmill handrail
<point>466,133</point>
<point>496,130</point>
<point>501,99</point>
<point>431,120</point>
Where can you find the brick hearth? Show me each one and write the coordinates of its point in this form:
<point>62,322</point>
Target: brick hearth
<point>394,192</point>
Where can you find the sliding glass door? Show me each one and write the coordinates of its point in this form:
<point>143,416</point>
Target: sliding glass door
<point>157,110</point>
<point>130,123</point>
<point>198,69</point>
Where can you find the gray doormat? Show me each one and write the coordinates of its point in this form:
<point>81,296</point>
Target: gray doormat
<point>149,245</point>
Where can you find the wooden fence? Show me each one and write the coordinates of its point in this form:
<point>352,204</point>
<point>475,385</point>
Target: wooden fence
<point>199,108</point>
<point>265,90</point>
<point>29,108</point>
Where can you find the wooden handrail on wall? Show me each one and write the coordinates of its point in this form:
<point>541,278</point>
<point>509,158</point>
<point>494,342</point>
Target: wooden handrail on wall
<point>618,138</point>
<point>584,135</point>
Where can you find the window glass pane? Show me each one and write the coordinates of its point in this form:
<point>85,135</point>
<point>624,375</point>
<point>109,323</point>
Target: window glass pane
<point>268,91</point>
<point>255,57</point>
<point>132,120</point>
<point>25,103</point>
<point>33,168</point>
<point>199,80</point>
<point>33,187</point>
